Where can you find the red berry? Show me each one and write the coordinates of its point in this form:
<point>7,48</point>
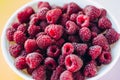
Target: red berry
<point>93,34</point>
<point>22,28</point>
<point>103,12</point>
<point>61,60</point>
<point>60,42</point>
<point>43,25</point>
<point>33,16</point>
<point>66,75</point>
<point>73,17</point>
<point>23,53</point>
<point>94,28</point>
<point>15,25</point>
<point>73,63</point>
<point>64,18</point>
<point>78,76</point>
<point>35,21</point>
<point>44,4</point>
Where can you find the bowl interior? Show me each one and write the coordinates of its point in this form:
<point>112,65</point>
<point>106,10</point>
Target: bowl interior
<point>82,3</point>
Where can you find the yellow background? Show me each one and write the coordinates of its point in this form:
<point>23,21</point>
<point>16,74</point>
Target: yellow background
<point>7,8</point>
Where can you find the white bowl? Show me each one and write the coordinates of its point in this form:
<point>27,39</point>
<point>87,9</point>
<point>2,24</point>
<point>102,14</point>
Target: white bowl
<point>102,71</point>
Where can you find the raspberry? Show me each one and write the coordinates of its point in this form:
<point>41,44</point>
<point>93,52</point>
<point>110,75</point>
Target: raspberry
<point>19,37</point>
<point>72,8</point>
<point>73,38</point>
<point>23,53</point>
<point>15,25</point>
<point>90,69</point>
<point>73,63</point>
<point>24,16</point>
<point>39,73</point>
<point>33,30</point>
<point>92,11</point>
<point>95,51</point>
<point>44,4</point>
<point>9,33</point>
<point>35,21</point>
<point>22,28</point>
<point>103,12</point>
<point>71,27</point>
<point>15,50</point>
<point>42,13</point>
<point>33,15</point>
<point>43,41</point>
<point>43,25</point>
<point>112,36</point>
<point>40,34</point>
<point>60,42</point>
<point>29,70</point>
<point>20,63</point>
<point>101,41</point>
<point>50,63</point>
<point>53,51</point>
<point>82,20</point>
<point>57,72</point>
<point>34,59</point>
<point>94,28</point>
<point>80,48</point>
<point>53,15</point>
<point>80,13</point>
<point>61,59</point>
<point>85,34</point>
<point>104,23</point>
<point>30,45</point>
<point>64,18</point>
<point>54,31</point>
<point>66,75</point>
<point>93,34</point>
<point>67,48</point>
<point>78,76</point>
<point>105,57</point>
<point>73,17</point>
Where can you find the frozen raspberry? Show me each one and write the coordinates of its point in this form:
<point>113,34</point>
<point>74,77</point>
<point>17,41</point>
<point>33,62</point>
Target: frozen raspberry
<point>101,41</point>
<point>43,25</point>
<point>103,12</point>
<point>104,23</point>
<point>67,48</point>
<point>42,13</point>
<point>105,57</point>
<point>24,16</point>
<point>82,20</point>
<point>43,41</point>
<point>15,25</point>
<point>19,37</point>
<point>22,28</point>
<point>54,31</point>
<point>15,50</point>
<point>53,15</point>
<point>73,38</point>
<point>61,59</point>
<point>71,27</point>
<point>90,69</point>
<point>92,11</point>
<point>30,45</point>
<point>78,76</point>
<point>80,48</point>
<point>40,33</point>
<point>73,17</point>
<point>29,70</point>
<point>23,53</point>
<point>50,63</point>
<point>94,28</point>
<point>33,30</point>
<point>53,51</point>
<point>39,73</point>
<point>9,33</point>
<point>73,63</point>
<point>20,63</point>
<point>112,36</point>
<point>33,15</point>
<point>60,42</point>
<point>66,75</point>
<point>72,8</point>
<point>44,4</point>
<point>95,51</point>
<point>57,72</point>
<point>64,18</point>
<point>93,34</point>
<point>35,21</point>
<point>85,34</point>
<point>34,59</point>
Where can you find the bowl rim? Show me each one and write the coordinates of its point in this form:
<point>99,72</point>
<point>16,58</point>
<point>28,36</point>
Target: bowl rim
<point>3,42</point>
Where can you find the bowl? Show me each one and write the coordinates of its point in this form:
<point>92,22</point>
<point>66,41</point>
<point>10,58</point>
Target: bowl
<point>102,71</point>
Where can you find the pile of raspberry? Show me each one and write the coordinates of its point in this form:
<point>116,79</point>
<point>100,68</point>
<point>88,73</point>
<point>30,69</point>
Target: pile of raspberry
<point>61,43</point>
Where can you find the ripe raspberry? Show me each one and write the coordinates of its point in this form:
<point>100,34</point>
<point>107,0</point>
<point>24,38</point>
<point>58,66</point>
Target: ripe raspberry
<point>54,31</point>
<point>34,59</point>
<point>33,16</point>
<point>9,33</point>
<point>22,28</point>
<point>73,38</point>
<point>42,13</point>
<point>73,63</point>
<point>15,50</point>
<point>80,48</point>
<point>92,11</point>
<point>53,15</point>
<point>90,69</point>
<point>50,63</point>
<point>24,16</point>
<point>101,41</point>
<point>112,36</point>
<point>82,20</point>
<point>78,76</point>
<point>85,34</point>
<point>15,25</point>
<point>43,41</point>
<point>64,18</point>
<point>40,33</point>
<point>66,75</point>
<point>95,51</point>
<point>39,73</point>
<point>44,4</point>
<point>104,23</point>
<point>103,12</point>
<point>94,28</point>
<point>67,49</point>
<point>60,42</point>
<point>29,70</point>
<point>30,45</point>
<point>35,21</point>
<point>53,51</point>
<point>73,17</point>
<point>20,63</point>
<point>43,25</point>
<point>61,60</point>
<point>105,58</point>
<point>71,27</point>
